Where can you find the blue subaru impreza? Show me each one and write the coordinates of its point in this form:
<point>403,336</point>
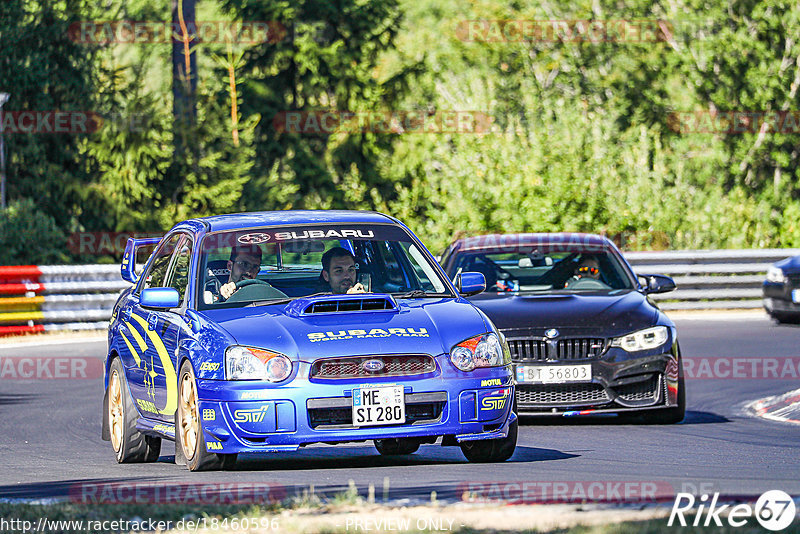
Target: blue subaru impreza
<point>263,332</point>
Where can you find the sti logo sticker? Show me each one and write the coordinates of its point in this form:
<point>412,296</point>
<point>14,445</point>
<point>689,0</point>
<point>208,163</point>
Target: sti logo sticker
<point>250,416</point>
<point>495,402</point>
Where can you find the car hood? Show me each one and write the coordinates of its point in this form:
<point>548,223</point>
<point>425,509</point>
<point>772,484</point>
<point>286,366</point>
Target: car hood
<point>589,313</point>
<point>416,326</point>
<point>789,265</point>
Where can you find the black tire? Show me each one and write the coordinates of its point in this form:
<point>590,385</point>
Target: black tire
<point>396,446</point>
<point>675,415</point>
<point>492,450</point>
<point>784,318</point>
<point>134,447</point>
<point>666,416</point>
<point>198,458</point>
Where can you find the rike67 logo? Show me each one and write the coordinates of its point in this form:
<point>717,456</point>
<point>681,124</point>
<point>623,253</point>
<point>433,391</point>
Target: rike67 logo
<point>774,510</point>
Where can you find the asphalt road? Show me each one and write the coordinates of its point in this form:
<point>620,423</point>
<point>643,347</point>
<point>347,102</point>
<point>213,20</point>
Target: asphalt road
<point>51,442</point>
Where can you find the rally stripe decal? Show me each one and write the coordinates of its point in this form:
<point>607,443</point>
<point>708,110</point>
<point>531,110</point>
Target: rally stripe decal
<point>166,362</point>
<point>130,348</point>
<point>137,336</point>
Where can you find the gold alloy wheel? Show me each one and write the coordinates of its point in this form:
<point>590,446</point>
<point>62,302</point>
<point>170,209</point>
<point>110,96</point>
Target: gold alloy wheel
<point>189,416</point>
<point>116,416</point>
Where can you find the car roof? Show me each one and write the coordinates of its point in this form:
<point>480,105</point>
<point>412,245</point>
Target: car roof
<point>505,242</point>
<point>236,221</point>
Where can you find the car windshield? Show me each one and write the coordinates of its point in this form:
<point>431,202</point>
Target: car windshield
<point>538,270</point>
<point>272,265</point>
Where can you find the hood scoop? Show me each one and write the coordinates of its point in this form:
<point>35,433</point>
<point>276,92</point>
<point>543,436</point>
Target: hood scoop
<point>330,304</point>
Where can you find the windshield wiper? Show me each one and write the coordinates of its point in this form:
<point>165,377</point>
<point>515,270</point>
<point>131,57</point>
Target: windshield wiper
<point>417,293</point>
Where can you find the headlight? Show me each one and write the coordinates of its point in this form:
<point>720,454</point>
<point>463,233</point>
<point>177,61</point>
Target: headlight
<point>649,338</point>
<point>246,363</point>
<point>484,350</point>
<point>775,275</point>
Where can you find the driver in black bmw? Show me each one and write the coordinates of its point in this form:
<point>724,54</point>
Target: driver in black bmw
<point>244,264</point>
<point>589,267</point>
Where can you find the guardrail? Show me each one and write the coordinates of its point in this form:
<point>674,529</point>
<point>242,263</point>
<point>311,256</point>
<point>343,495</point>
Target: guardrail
<point>710,279</point>
<point>57,297</point>
<point>81,297</point>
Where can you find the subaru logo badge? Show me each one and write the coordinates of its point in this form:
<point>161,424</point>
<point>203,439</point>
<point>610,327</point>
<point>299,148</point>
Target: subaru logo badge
<point>373,366</point>
<point>551,334</point>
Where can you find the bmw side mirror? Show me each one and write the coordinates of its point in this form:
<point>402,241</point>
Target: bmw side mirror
<point>469,284</point>
<point>656,283</point>
<point>160,298</point>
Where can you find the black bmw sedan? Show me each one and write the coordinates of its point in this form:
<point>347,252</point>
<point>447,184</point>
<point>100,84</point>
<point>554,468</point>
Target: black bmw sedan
<point>584,337</point>
<point>782,290</point>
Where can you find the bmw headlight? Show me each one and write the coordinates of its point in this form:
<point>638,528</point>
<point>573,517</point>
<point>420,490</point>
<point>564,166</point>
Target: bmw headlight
<point>775,275</point>
<point>247,363</point>
<point>649,338</point>
<point>484,350</point>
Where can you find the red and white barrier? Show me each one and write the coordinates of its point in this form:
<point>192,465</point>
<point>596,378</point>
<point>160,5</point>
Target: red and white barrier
<point>43,298</point>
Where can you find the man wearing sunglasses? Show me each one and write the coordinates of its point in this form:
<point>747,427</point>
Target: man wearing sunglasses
<point>244,264</point>
<point>588,267</point>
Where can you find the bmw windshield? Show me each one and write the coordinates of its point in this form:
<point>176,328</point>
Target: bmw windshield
<point>261,266</point>
<point>543,270</point>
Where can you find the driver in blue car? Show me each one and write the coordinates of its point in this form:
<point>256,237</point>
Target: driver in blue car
<point>244,264</point>
<point>339,272</point>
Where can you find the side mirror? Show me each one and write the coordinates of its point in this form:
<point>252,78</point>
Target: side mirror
<point>469,284</point>
<point>656,283</point>
<point>160,298</point>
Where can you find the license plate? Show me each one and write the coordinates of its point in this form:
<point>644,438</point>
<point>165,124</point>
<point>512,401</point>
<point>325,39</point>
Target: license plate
<point>554,374</point>
<point>379,406</point>
<point>796,296</point>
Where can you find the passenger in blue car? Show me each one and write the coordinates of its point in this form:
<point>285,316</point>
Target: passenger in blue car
<point>244,264</point>
<point>339,272</point>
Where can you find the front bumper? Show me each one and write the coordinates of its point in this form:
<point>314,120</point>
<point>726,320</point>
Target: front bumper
<point>643,383</point>
<point>242,416</point>
<point>778,298</point>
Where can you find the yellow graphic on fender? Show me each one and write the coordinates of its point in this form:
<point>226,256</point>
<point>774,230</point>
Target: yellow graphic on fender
<point>214,445</point>
<point>166,363</point>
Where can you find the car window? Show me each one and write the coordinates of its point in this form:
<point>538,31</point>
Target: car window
<point>562,270</point>
<point>178,275</point>
<point>157,272</point>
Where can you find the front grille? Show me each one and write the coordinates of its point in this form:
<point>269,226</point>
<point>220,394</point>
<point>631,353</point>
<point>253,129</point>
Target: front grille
<point>646,390</point>
<point>528,349</point>
<point>337,413</point>
<point>793,279</point>
<point>561,394</point>
<point>393,365</point>
<point>523,350</point>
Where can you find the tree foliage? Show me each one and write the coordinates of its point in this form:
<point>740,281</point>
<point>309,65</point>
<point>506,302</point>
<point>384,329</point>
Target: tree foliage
<point>583,136</point>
